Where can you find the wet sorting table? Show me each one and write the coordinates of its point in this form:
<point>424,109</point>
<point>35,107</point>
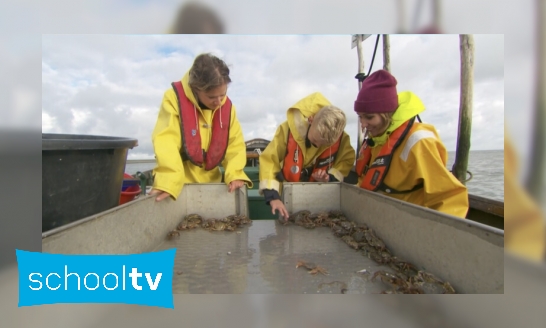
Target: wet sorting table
<point>262,258</point>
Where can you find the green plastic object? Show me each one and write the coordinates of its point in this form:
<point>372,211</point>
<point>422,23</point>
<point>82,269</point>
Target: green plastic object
<point>143,182</point>
<point>257,208</point>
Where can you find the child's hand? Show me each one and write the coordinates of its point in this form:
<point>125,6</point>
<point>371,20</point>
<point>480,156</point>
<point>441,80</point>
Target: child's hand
<point>321,176</point>
<point>277,205</point>
<point>161,194</point>
<point>235,184</point>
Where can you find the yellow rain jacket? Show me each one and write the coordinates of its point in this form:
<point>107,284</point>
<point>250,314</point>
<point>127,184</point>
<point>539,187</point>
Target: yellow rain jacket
<point>171,173</point>
<point>524,227</point>
<point>271,160</point>
<point>421,158</point>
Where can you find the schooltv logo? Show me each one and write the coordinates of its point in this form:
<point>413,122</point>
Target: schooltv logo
<point>143,279</point>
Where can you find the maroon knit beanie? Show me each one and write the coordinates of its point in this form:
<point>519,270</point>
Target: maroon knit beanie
<point>378,94</point>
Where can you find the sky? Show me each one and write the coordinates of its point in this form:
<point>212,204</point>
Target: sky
<point>113,85</point>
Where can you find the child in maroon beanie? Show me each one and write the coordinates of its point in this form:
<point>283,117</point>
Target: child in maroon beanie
<point>400,157</point>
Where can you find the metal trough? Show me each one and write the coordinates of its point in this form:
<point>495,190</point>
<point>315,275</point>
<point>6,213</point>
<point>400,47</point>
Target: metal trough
<point>261,258</point>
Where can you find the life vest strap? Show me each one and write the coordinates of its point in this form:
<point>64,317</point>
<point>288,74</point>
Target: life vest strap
<point>384,188</point>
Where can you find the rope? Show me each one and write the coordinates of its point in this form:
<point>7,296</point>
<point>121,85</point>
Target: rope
<point>471,176</point>
<point>362,76</point>
<point>373,56</point>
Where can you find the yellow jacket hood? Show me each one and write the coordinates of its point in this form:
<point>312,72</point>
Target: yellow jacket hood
<point>298,114</point>
<point>272,158</point>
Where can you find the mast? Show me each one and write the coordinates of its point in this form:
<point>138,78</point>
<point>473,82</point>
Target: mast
<point>356,41</point>
<point>360,135</point>
<point>386,53</point>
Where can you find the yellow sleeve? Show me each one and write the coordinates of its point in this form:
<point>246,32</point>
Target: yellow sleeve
<point>345,159</point>
<point>234,160</point>
<point>271,159</point>
<point>166,138</point>
<point>525,230</point>
<point>442,191</point>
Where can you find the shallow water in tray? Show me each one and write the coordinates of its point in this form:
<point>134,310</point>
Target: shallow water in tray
<point>262,258</point>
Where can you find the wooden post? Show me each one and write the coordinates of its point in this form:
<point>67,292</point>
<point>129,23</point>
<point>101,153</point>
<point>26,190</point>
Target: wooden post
<point>386,53</point>
<point>536,179</point>
<point>360,57</point>
<point>360,136</point>
<point>465,107</point>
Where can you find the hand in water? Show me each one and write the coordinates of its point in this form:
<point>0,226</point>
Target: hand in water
<point>277,205</point>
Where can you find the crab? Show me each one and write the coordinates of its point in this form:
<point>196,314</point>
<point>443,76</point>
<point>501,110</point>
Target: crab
<point>243,219</point>
<point>428,277</point>
<point>448,289</point>
<point>193,217</point>
<point>373,240</point>
<point>379,257</point>
<point>431,282</point>
<point>347,225</point>
<point>404,267</point>
<point>367,249</point>
<point>182,226</point>
<point>358,236</point>
<point>304,264</point>
<point>218,225</point>
<point>339,231</point>
<point>307,223</point>
<point>319,218</point>
<point>299,215</point>
<point>230,227</point>
<point>391,280</point>
<point>350,241</point>
<point>302,218</point>
<point>335,213</point>
<point>313,269</point>
<point>172,234</point>
<point>190,221</point>
<point>208,224</point>
<point>318,269</point>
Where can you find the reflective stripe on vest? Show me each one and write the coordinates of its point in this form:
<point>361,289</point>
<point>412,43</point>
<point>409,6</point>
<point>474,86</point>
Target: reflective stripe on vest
<point>293,161</point>
<point>191,138</point>
<point>375,173</point>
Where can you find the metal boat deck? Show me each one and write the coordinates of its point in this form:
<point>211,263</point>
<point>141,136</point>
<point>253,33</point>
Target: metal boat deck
<point>261,259</point>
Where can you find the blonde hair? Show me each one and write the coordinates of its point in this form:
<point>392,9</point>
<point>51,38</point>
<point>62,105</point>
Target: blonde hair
<point>208,72</point>
<point>330,123</point>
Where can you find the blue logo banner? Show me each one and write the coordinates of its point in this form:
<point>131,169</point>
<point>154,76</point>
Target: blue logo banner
<point>143,279</point>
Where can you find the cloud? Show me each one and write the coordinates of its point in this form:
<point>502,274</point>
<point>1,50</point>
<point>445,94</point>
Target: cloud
<point>113,84</point>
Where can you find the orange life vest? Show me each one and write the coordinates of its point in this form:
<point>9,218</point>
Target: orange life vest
<point>293,161</point>
<point>191,138</point>
<point>375,173</point>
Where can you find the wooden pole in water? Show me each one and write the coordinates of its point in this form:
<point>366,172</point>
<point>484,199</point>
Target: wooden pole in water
<point>536,179</point>
<point>386,53</point>
<point>465,107</point>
